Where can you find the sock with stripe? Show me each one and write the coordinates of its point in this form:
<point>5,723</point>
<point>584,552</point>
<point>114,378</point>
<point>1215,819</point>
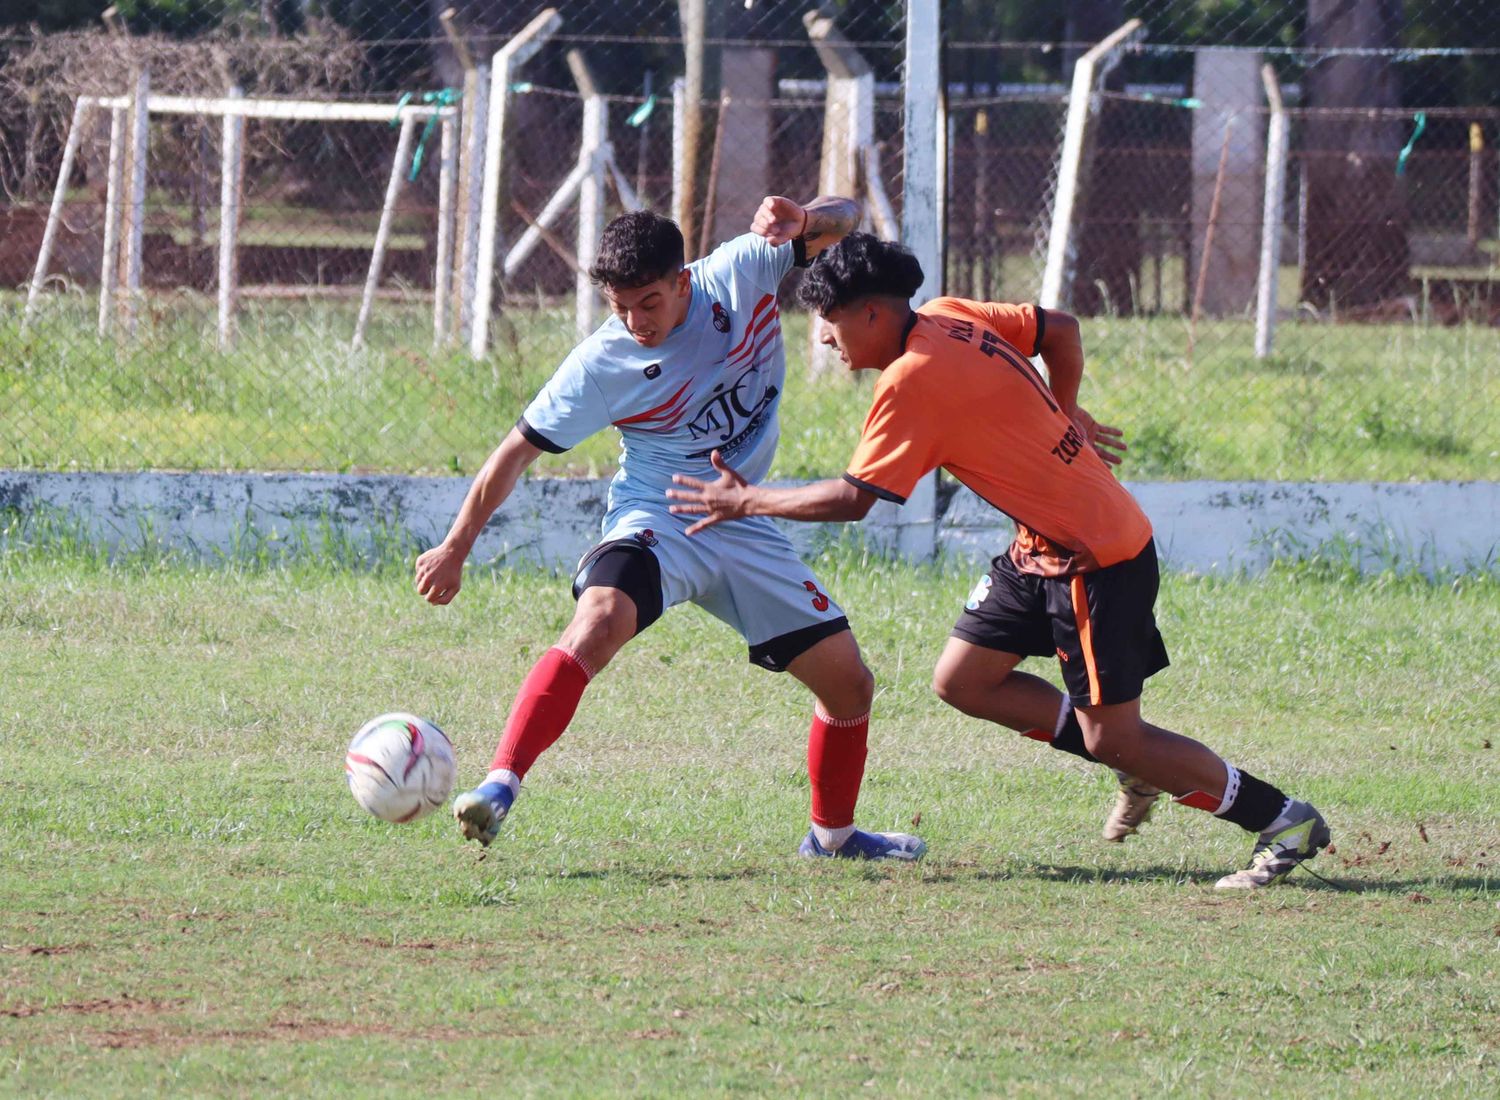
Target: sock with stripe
<point>836,750</point>
<point>544,706</point>
<point>1251,803</point>
<point>1067,735</point>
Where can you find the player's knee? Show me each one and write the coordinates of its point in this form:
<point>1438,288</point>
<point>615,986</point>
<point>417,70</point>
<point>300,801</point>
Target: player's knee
<point>954,689</point>
<point>862,689</point>
<point>1112,744</point>
<point>603,622</point>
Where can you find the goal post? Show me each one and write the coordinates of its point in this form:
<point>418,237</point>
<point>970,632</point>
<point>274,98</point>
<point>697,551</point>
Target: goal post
<point>122,261</point>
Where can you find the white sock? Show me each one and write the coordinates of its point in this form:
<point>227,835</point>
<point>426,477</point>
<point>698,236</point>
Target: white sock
<point>1231,789</point>
<point>506,777</point>
<point>832,839</point>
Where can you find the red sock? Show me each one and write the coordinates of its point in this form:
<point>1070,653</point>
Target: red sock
<point>543,708</point>
<point>836,766</point>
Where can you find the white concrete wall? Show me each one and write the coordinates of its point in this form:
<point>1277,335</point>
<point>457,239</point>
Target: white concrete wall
<point>1201,526</point>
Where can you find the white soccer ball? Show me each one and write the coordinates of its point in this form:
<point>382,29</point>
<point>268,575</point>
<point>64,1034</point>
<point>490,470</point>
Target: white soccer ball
<point>399,767</point>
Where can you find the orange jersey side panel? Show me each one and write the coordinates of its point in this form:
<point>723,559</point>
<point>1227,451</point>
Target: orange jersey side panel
<point>964,397</point>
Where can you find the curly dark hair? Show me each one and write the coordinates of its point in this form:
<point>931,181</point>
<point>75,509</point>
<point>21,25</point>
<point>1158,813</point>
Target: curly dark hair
<point>859,266</point>
<point>636,249</point>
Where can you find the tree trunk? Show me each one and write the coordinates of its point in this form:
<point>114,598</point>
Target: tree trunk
<point>1357,251</point>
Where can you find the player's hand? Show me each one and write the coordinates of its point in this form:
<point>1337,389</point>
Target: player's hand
<point>779,219</point>
<point>440,573</point>
<point>1108,442</point>
<point>715,501</point>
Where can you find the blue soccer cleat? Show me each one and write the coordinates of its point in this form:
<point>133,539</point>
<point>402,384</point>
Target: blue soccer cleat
<point>480,811</point>
<point>863,845</point>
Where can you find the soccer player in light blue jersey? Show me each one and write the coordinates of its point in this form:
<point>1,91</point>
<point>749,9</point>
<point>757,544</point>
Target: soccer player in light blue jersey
<point>692,362</point>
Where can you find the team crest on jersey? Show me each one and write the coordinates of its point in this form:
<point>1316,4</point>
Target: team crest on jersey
<point>653,371</point>
<point>981,590</point>
<point>721,318</point>
<point>646,537</point>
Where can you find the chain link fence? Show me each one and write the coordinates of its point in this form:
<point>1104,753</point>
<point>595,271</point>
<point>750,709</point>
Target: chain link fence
<point>357,271</point>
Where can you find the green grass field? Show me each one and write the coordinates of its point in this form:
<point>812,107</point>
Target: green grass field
<point>1337,402</point>
<point>190,902</point>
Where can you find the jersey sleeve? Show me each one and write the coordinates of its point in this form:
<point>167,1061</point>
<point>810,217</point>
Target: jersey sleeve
<point>1019,325</point>
<point>567,410</point>
<point>753,258</point>
<point>898,445</point>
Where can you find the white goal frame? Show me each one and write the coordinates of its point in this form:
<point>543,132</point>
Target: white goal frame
<point>233,110</point>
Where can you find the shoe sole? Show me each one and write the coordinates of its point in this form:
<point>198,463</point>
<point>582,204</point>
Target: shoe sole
<point>476,821</point>
<point>1321,837</point>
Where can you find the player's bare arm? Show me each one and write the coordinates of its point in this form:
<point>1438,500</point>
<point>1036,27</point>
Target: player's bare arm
<point>439,572</point>
<point>732,497</point>
<point>1062,350</point>
<point>821,223</point>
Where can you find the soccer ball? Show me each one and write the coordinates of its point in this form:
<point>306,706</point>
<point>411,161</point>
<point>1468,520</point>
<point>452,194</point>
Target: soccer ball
<point>399,767</point>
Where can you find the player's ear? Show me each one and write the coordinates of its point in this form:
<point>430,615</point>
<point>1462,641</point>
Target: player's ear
<point>684,280</point>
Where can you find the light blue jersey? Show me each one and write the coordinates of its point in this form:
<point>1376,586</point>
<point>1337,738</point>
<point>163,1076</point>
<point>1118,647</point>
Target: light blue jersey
<point>715,382</point>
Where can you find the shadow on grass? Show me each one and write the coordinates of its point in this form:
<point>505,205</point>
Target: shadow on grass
<point>1304,877</point>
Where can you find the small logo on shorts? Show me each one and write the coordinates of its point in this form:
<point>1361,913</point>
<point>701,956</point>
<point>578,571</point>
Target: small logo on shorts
<point>721,318</point>
<point>1061,656</point>
<point>646,537</point>
<point>981,590</point>
<point>653,371</point>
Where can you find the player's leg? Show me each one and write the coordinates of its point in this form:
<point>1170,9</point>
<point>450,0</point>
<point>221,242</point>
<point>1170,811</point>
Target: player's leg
<point>1005,619</point>
<point>1288,831</point>
<point>765,591</point>
<point>843,688</point>
<point>1107,638</point>
<point>618,588</point>
<point>983,683</point>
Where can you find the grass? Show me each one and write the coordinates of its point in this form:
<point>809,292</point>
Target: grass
<point>191,903</point>
<point>1337,402</point>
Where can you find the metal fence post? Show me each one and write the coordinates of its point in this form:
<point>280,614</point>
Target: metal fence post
<point>507,60</point>
<point>923,183</point>
<point>54,213</point>
<point>1091,68</point>
<point>1271,215</point>
<point>231,174</point>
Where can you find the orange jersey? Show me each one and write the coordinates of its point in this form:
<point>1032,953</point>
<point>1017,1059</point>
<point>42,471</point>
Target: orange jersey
<point>965,397</point>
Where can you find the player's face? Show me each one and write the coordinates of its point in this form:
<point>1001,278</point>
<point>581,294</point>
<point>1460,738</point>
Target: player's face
<point>852,331</point>
<point>651,312</point>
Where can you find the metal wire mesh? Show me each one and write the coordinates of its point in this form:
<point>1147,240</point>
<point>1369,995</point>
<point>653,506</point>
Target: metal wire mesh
<point>1385,339</point>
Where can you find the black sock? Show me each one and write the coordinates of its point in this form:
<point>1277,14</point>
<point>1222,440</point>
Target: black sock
<point>1256,805</point>
<point>1068,734</point>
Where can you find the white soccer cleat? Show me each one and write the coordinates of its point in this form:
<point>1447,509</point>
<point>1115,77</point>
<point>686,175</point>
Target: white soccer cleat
<point>1277,854</point>
<point>1132,808</point>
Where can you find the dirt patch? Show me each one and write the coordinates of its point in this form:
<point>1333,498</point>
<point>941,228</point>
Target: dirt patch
<point>43,948</point>
<point>287,1031</point>
<point>98,1006</point>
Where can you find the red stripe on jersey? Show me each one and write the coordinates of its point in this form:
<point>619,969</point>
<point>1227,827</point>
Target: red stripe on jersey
<point>760,305</point>
<point>660,412</point>
<point>754,336</point>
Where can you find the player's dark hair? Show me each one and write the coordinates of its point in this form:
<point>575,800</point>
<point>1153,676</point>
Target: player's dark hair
<point>859,266</point>
<point>636,249</point>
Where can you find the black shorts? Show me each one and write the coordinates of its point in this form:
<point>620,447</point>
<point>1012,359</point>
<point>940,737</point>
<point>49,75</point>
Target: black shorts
<point>1099,624</point>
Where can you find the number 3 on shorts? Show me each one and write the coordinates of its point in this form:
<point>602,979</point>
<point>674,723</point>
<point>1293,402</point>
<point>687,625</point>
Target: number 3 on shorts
<point>819,601</point>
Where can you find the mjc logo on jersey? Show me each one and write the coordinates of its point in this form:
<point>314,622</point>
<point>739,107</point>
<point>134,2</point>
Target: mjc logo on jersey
<point>721,318</point>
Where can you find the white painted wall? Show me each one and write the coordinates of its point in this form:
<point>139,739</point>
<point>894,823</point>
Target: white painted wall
<point>1201,526</point>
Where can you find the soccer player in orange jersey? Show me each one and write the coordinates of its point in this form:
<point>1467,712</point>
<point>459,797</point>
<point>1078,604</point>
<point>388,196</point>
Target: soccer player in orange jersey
<point>957,390</point>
